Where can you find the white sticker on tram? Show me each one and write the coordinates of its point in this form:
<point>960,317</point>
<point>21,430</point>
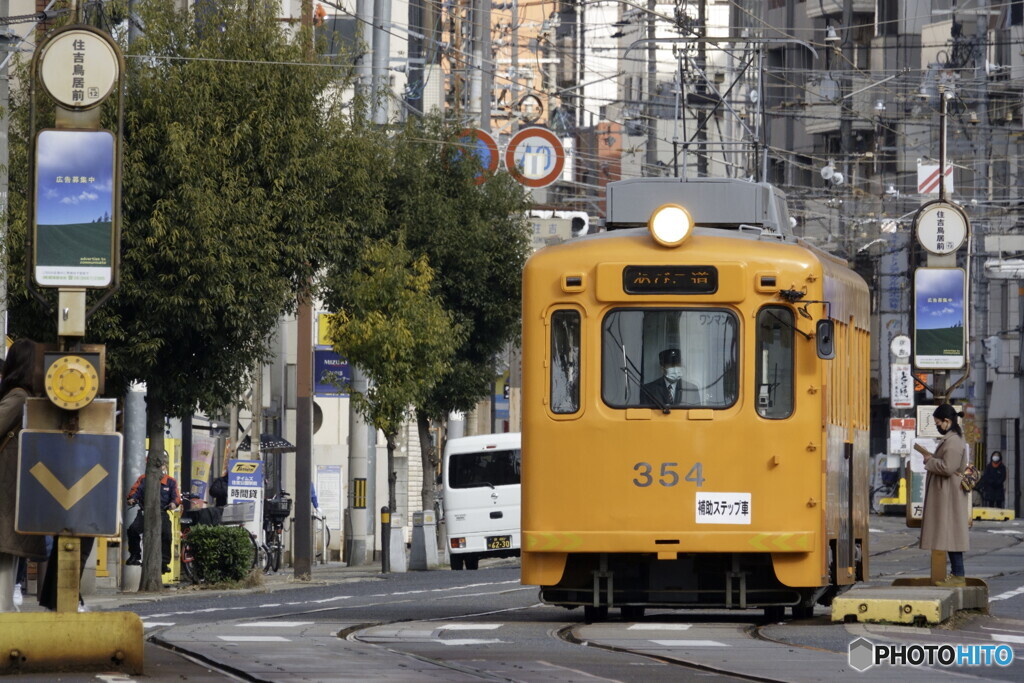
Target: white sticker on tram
<point>689,643</point>
<point>723,508</point>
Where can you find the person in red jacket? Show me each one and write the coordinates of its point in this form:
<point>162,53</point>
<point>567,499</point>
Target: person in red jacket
<point>170,499</point>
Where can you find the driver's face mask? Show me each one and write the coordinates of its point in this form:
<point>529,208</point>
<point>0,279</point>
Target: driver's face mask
<point>674,373</point>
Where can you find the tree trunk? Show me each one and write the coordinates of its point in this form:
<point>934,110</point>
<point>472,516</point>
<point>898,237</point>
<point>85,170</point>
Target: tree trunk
<point>429,460</point>
<point>151,560</point>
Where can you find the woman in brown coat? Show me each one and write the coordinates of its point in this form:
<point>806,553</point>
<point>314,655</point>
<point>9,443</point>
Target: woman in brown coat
<point>945,520</point>
<point>15,388</point>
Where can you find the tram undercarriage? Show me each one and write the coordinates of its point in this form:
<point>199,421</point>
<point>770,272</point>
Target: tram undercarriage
<point>632,583</point>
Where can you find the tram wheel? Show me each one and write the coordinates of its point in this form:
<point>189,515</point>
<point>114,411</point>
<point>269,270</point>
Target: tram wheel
<point>632,612</point>
<point>592,614</point>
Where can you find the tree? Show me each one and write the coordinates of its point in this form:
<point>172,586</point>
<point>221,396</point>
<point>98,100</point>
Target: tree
<point>389,323</point>
<point>476,238</point>
<point>228,165</point>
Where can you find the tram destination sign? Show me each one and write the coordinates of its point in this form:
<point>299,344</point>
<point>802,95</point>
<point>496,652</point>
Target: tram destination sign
<point>670,279</point>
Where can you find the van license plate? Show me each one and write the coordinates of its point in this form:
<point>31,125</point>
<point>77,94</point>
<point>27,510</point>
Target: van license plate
<point>499,542</point>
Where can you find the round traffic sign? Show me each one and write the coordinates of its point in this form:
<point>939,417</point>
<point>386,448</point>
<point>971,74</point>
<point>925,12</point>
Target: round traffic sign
<point>535,157</point>
<point>482,145</point>
<point>941,227</point>
<point>79,67</point>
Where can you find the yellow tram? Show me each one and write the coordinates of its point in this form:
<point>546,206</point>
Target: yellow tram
<point>695,408</point>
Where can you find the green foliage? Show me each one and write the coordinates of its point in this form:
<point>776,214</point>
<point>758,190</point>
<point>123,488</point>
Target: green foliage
<point>221,553</point>
<point>476,237</point>
<point>390,324</point>
<point>229,163</point>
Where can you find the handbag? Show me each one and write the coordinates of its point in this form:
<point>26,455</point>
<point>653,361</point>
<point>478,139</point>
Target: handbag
<point>969,478</point>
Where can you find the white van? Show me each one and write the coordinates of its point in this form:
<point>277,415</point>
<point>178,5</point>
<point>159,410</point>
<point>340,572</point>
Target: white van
<point>482,497</point>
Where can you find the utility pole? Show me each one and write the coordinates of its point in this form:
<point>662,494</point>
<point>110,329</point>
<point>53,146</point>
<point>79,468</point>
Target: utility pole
<point>981,192</point>
<point>381,54</point>
<point>651,157</point>
<point>364,39</point>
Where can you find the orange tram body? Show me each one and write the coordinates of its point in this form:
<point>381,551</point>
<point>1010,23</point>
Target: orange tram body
<point>748,488</point>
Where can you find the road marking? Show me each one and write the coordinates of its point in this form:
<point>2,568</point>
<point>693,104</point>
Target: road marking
<point>1008,594</point>
<point>470,641</point>
<point>999,637</point>
<point>152,624</point>
<point>271,624</point>
<point>689,643</point>
<point>254,639</point>
<point>334,599</point>
<point>468,627</point>
<point>576,671</point>
<point>659,627</point>
<point>1006,531</point>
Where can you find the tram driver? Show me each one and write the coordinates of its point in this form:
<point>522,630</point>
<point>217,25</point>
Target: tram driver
<point>671,388</point>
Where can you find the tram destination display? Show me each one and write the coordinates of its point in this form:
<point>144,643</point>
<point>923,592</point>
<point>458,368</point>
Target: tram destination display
<point>670,279</point>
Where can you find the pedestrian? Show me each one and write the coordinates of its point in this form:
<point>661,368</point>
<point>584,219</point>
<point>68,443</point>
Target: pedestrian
<point>945,520</point>
<point>169,500</point>
<point>18,371</point>
<point>993,481</point>
<point>219,489</point>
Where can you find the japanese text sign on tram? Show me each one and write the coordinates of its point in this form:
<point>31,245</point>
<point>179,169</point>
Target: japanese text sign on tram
<point>941,227</point>
<point>69,483</point>
<point>535,157</point>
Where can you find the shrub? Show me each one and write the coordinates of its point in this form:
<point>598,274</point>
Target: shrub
<point>222,553</point>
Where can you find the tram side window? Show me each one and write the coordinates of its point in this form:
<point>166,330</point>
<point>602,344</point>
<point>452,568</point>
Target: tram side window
<point>774,363</point>
<point>565,362</point>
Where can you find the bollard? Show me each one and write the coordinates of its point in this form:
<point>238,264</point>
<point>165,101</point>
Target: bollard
<point>424,541</point>
<point>385,539</point>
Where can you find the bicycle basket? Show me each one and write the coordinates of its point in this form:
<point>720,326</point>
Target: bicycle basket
<point>277,508</point>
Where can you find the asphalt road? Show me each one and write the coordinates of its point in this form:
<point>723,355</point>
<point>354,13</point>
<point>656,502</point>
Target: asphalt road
<point>484,625</point>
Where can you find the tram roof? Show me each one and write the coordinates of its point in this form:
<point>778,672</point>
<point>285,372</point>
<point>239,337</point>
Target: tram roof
<point>712,202</point>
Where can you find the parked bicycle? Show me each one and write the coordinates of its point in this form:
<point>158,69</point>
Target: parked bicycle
<point>275,511</point>
<point>889,488</point>
<point>196,512</point>
<point>321,537</point>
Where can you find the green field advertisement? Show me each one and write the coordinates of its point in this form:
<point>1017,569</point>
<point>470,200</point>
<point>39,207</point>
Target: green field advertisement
<point>940,320</point>
<point>74,216</point>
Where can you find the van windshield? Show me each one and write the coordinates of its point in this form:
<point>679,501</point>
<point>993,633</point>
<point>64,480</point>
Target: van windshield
<point>493,468</point>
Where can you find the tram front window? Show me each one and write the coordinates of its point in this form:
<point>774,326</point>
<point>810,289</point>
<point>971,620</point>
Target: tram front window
<point>669,358</point>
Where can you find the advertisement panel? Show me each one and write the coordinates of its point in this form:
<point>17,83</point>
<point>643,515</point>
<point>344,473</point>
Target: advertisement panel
<point>940,320</point>
<point>74,217</point>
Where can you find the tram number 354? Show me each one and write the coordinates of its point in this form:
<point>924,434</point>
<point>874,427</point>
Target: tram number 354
<point>667,474</point>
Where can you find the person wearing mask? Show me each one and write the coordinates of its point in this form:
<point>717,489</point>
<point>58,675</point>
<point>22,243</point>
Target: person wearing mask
<point>15,388</point>
<point>670,389</point>
<point>993,482</point>
<point>945,519</point>
<point>169,500</point>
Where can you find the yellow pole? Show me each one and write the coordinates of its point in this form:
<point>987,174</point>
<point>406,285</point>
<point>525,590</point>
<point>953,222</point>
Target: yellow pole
<point>68,573</point>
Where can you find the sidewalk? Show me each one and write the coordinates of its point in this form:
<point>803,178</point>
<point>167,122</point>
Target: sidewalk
<point>111,598</point>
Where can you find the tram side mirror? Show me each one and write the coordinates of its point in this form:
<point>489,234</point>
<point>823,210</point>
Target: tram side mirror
<point>824,333</point>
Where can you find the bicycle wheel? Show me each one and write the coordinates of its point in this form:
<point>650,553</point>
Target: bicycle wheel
<point>258,552</point>
<point>273,560</point>
<point>188,560</point>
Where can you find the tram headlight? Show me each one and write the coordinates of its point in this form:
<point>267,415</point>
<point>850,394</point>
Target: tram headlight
<point>670,225</point>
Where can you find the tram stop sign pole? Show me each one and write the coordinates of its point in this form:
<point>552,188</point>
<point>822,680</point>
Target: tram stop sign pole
<point>941,321</point>
<point>69,461</point>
